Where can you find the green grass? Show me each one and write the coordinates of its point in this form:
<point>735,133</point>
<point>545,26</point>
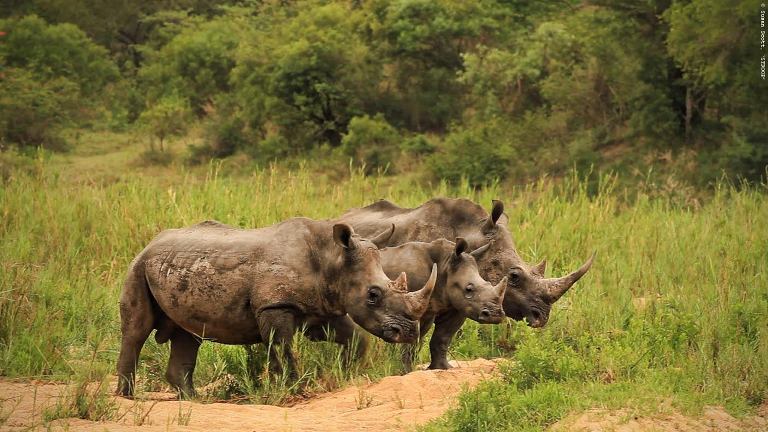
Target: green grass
<point>675,307</point>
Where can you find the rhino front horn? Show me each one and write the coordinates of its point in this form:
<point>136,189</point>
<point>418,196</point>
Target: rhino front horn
<point>418,301</point>
<point>556,287</point>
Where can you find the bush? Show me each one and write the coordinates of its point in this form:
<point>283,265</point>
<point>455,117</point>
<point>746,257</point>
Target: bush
<point>417,144</point>
<point>195,64</point>
<point>167,118</point>
<point>224,135</point>
<point>470,154</point>
<point>371,142</point>
<point>56,51</point>
<point>32,112</point>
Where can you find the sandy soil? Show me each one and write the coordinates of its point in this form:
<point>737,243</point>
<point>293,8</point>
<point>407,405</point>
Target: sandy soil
<point>394,403</point>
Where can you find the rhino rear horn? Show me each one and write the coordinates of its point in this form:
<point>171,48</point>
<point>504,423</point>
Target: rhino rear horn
<point>382,238</point>
<point>497,210</point>
<point>541,267</point>
<point>556,287</point>
<point>342,235</point>
<point>418,301</point>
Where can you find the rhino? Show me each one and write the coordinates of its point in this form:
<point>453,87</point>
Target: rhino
<point>242,286</point>
<point>459,293</point>
<point>529,295</point>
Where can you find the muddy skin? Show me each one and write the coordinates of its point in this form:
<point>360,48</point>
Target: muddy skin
<point>529,295</point>
<point>233,286</point>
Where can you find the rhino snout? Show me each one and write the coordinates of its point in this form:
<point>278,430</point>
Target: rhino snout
<point>491,315</point>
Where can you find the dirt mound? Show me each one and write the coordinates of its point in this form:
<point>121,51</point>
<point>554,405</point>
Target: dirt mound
<point>394,403</point>
<point>712,419</point>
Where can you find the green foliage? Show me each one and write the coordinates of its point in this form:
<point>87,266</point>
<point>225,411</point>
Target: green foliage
<point>166,118</point>
<point>195,64</point>
<point>371,142</point>
<point>32,112</point>
<point>55,51</point>
<point>472,155</point>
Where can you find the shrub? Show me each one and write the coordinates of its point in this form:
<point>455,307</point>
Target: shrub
<point>167,118</point>
<point>470,154</point>
<point>56,51</point>
<point>371,142</point>
<point>33,111</point>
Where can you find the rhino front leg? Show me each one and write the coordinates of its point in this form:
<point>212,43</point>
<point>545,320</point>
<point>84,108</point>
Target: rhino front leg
<point>410,351</point>
<point>136,323</point>
<point>348,335</point>
<point>181,365</point>
<point>278,326</point>
<point>446,327</point>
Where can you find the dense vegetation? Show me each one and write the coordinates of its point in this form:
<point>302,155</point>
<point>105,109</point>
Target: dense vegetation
<point>675,309</point>
<point>482,90</point>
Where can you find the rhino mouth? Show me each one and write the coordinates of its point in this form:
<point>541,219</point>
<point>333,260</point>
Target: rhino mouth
<point>400,332</point>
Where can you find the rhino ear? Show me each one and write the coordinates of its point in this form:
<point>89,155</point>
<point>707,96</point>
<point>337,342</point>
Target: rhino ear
<point>496,211</point>
<point>342,235</point>
<point>461,246</point>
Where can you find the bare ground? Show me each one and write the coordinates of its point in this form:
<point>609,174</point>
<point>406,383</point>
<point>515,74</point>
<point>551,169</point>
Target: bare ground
<point>394,403</point>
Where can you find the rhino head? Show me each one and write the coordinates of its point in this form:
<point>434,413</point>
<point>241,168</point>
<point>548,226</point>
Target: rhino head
<point>477,298</point>
<point>376,303</point>
<point>529,294</point>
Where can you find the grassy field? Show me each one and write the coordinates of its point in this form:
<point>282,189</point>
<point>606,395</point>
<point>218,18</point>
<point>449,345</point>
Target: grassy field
<point>675,309</point>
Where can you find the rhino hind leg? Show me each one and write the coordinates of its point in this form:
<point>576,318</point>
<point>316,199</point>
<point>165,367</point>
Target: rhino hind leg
<point>181,365</point>
<point>276,327</point>
<point>445,328</point>
<point>136,323</point>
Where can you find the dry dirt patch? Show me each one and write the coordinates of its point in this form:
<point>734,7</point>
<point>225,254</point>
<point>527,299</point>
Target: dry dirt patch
<point>394,403</point>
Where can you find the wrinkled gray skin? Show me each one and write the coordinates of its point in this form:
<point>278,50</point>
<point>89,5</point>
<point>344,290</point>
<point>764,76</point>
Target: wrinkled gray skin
<point>529,294</point>
<point>237,286</point>
<point>460,292</point>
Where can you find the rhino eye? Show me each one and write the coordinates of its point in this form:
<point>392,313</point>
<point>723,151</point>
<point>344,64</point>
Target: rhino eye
<point>374,296</point>
<point>469,290</point>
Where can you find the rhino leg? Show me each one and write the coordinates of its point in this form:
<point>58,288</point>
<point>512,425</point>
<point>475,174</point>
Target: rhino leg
<point>279,325</point>
<point>181,365</point>
<point>345,333</point>
<point>410,351</point>
<point>136,323</point>
<point>446,327</point>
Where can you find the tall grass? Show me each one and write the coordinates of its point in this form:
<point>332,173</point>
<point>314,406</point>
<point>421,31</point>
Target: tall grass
<point>676,305</point>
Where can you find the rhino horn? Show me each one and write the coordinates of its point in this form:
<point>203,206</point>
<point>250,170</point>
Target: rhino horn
<point>496,211</point>
<point>541,267</point>
<point>556,287</point>
<point>381,239</point>
<point>477,253</point>
<point>418,301</point>
<point>401,283</point>
<point>501,287</point>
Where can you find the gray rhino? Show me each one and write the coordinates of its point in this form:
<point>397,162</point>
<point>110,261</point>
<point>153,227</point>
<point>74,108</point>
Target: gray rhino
<point>234,286</point>
<point>459,293</point>
<point>529,294</point>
